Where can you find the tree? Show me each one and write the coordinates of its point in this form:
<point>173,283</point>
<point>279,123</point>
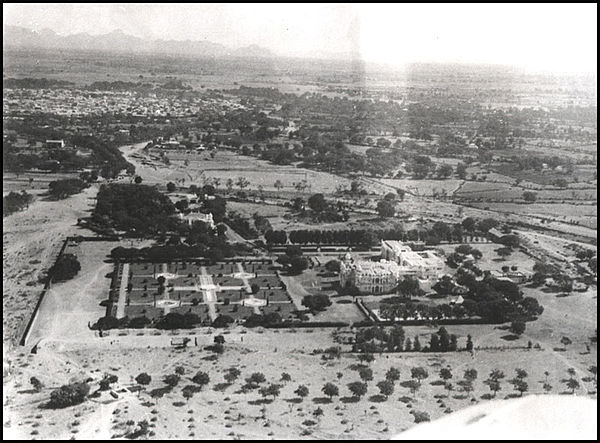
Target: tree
<point>419,373</point>
<point>517,327</point>
<point>420,171</point>
<point>469,346</point>
<point>401,193</point>
<point>138,180</point>
<point>317,202</point>
<point>486,224</point>
<point>189,391</point>
<point>385,209</point>
<point>521,373</point>
<point>171,380</point>
<point>366,374</point>
<point>179,370</point>
<point>416,344</point>
<point>413,385</point>
<point>367,358</point>
<point>470,375</point>
<point>273,390</point>
<point>278,185</point>
<point>333,266</point>
<point>285,377</point>
<point>171,187</point>
<point>316,302</point>
<point>594,371</point>
<point>357,388</point>
<point>330,390</point>
<point>298,204</point>
<point>242,182</point>
<point>201,378</point>
<point>68,395</point>
<point>256,378</point>
<point>318,413</point>
<point>469,224</point>
<point>297,264</point>
<point>445,374</point>
<point>232,374</point>
<point>65,268</point>
<point>520,385</point>
<point>393,375</point>
<point>390,196</point>
<point>461,171</point>
<point>15,201</point>
<point>572,384</point>
<point>61,189</point>
<point>547,387</point>
<point>37,385</point>
<point>444,171</point>
<point>493,380</point>
<point>254,288</point>
<point>529,196</point>
<point>143,379</point>
<point>222,321</point>
<point>301,391</point>
<point>386,388</point>
<point>504,252</point>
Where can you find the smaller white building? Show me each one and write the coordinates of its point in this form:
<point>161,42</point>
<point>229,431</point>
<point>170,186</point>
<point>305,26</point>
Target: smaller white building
<point>425,265</point>
<point>198,216</point>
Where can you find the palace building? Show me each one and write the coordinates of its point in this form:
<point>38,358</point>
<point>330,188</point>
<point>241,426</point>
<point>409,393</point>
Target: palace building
<point>397,262</point>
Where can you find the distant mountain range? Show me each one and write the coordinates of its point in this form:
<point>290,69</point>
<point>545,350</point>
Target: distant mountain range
<point>16,37</point>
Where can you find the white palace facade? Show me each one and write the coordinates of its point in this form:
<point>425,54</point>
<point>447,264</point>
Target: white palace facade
<point>397,262</point>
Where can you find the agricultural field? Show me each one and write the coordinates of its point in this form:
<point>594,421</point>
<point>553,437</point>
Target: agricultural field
<point>494,191</point>
<point>581,174</point>
<point>580,214</point>
<point>424,188</point>
<point>491,261</point>
<point>31,182</point>
<point>228,165</point>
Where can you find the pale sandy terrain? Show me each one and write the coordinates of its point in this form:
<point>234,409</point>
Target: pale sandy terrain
<point>31,241</point>
<point>218,414</point>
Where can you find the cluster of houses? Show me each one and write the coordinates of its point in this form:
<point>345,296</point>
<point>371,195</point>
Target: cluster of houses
<point>36,147</point>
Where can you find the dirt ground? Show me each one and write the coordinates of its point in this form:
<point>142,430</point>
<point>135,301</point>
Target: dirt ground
<point>231,413</point>
<point>31,241</point>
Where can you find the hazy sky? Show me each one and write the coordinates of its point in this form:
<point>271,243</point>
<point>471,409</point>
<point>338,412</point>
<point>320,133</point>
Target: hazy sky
<point>555,37</point>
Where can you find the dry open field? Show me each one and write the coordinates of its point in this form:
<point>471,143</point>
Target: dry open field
<point>491,261</point>
<point>492,191</point>
<point>424,187</point>
<point>581,214</point>
<point>32,182</point>
<point>228,165</point>
<point>31,241</point>
<point>227,414</point>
